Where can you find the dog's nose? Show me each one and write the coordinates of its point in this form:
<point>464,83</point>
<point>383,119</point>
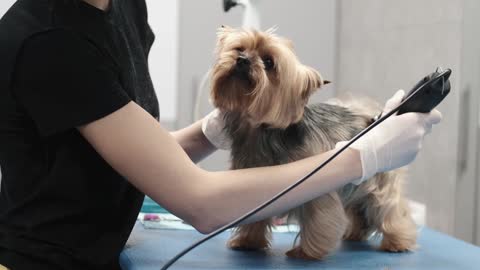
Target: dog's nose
<point>243,64</point>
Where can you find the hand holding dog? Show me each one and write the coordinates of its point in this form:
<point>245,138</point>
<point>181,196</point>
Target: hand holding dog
<point>395,142</point>
<point>213,127</point>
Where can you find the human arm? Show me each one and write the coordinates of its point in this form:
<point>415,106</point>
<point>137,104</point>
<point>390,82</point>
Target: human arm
<point>158,166</point>
<point>151,159</point>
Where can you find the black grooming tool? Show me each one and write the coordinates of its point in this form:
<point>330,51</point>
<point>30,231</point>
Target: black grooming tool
<point>428,92</point>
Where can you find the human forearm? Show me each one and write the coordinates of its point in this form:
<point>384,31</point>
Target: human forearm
<point>193,142</point>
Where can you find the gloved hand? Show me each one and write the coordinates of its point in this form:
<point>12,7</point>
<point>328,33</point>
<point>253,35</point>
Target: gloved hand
<point>213,126</point>
<point>395,142</point>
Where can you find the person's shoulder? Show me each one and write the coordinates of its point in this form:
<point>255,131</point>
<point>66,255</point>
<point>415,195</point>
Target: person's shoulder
<point>28,28</point>
<point>59,42</point>
<point>58,53</point>
<point>23,19</point>
<point>57,37</point>
<point>28,15</point>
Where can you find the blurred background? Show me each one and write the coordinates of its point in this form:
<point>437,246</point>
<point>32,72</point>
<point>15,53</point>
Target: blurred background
<point>368,47</point>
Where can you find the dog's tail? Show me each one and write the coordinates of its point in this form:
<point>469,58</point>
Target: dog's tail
<point>364,106</point>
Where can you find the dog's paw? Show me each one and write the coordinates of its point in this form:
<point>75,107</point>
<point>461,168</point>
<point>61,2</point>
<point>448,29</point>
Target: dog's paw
<point>398,245</point>
<point>299,253</point>
<point>237,243</point>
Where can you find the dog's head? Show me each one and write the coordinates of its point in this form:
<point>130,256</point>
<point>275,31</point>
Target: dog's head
<point>259,75</point>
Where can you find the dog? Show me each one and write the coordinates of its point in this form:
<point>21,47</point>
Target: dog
<point>263,90</point>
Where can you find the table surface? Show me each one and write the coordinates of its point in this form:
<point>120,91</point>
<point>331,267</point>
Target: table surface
<point>150,249</point>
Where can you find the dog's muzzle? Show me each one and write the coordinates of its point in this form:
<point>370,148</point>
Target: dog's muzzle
<point>243,65</point>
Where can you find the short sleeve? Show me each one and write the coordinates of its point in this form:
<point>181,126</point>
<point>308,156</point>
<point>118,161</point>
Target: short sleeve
<point>63,81</point>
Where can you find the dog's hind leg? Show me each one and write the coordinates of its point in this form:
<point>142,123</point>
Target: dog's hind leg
<point>388,212</point>
<point>251,236</point>
<point>322,225</point>
<point>398,228</point>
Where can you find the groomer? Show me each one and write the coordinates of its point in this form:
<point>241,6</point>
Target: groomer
<point>80,141</point>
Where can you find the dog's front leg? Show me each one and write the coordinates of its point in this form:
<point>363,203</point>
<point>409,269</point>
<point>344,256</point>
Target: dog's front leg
<point>251,236</point>
<point>322,225</point>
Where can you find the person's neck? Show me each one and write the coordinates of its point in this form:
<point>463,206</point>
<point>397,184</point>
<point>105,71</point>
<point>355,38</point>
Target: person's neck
<point>100,4</point>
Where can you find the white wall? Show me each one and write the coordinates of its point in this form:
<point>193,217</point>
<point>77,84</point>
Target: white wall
<point>163,18</point>
<point>5,5</point>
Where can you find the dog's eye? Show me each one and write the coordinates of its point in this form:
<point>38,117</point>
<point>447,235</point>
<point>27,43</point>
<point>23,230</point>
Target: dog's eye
<point>268,62</point>
<point>239,49</point>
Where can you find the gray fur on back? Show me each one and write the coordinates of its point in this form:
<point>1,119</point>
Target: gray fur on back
<point>322,126</point>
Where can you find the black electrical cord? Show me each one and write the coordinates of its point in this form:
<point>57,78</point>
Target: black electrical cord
<point>236,222</point>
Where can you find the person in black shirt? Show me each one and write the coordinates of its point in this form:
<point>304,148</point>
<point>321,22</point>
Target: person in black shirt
<point>80,141</point>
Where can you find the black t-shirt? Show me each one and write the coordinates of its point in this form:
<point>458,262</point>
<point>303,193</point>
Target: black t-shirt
<point>64,64</point>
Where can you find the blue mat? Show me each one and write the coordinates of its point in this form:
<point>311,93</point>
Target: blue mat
<point>150,249</point>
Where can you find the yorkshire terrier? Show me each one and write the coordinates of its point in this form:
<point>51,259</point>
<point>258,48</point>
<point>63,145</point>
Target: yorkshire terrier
<point>263,89</point>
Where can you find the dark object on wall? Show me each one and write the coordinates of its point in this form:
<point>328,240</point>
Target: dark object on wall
<point>228,4</point>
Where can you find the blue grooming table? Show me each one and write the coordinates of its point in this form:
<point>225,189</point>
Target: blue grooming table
<point>150,249</point>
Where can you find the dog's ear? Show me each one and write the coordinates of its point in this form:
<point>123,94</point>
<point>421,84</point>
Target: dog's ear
<point>310,80</point>
<point>223,31</point>
<point>288,43</point>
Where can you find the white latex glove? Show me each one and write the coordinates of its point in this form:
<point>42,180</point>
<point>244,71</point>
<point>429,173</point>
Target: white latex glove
<point>395,142</point>
<point>213,127</point>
